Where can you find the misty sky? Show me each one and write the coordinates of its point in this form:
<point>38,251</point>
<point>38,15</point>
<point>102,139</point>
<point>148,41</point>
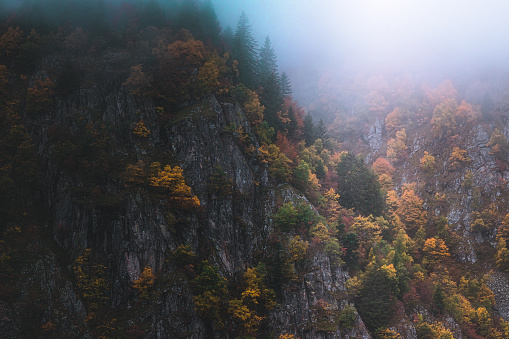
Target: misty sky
<point>387,33</point>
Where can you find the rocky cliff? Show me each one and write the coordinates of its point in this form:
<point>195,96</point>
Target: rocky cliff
<point>84,142</point>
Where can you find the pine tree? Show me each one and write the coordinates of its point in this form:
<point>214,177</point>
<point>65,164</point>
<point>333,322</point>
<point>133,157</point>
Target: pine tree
<point>309,130</point>
<point>244,51</point>
<point>189,19</point>
<point>270,97</point>
<point>286,87</point>
<point>267,63</point>
<point>358,186</point>
<point>210,23</point>
<point>227,38</point>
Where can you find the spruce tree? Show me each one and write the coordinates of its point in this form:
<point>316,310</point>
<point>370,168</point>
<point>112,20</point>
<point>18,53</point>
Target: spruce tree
<point>286,87</point>
<point>210,23</point>
<point>227,38</point>
<point>244,51</point>
<point>188,18</point>
<point>271,98</point>
<point>309,130</point>
<point>267,63</point>
<point>358,186</point>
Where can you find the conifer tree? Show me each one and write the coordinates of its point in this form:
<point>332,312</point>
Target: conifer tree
<point>267,63</point>
<point>210,23</point>
<point>244,51</point>
<point>270,97</point>
<point>286,87</point>
<point>358,186</point>
<point>189,19</point>
<point>227,38</point>
<point>309,130</point>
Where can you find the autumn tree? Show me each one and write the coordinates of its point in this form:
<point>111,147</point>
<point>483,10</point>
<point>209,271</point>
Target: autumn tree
<point>458,158</point>
<point>255,300</point>
<point>91,280</point>
<point>144,283</point>
<point>76,41</point>
<point>394,121</point>
<point>139,83</point>
<point>434,249</point>
<point>10,41</point>
<point>411,211</point>
<point>498,145</point>
<point>210,294</point>
<point>427,162</point>
<point>170,181</point>
<point>140,130</point>
<point>396,147</point>
<point>253,109</point>
<point>40,95</point>
<point>443,122</point>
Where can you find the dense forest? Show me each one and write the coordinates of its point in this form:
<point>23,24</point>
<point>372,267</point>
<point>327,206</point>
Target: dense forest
<point>159,180</point>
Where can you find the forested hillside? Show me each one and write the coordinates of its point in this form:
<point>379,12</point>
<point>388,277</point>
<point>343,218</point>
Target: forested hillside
<point>159,180</point>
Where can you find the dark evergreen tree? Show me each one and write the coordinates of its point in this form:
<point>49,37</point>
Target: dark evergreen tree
<point>267,64</point>
<point>188,18</point>
<point>286,87</point>
<point>292,124</point>
<point>358,186</point>
<point>439,299</point>
<point>321,133</point>
<point>376,298</point>
<point>271,98</point>
<point>152,15</point>
<point>351,243</point>
<point>309,130</point>
<point>244,51</point>
<point>210,24</point>
<point>227,38</point>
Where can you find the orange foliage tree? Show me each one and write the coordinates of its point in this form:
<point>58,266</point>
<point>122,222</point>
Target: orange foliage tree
<point>396,146</point>
<point>443,122</point>
<point>411,211</point>
<point>144,282</point>
<point>427,162</point>
<point>40,95</point>
<point>138,83</point>
<point>458,158</point>
<point>10,41</point>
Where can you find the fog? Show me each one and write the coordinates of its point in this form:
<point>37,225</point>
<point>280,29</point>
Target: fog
<point>388,33</point>
<point>424,37</point>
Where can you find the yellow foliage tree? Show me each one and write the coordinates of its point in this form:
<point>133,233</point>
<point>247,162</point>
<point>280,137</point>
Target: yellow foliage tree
<point>91,280</point>
<point>171,181</point>
<point>208,76</point>
<point>145,282</point>
<point>10,41</point>
<point>427,162</point>
<point>253,109</point>
<point>40,95</point>
<point>434,249</point>
<point>458,158</point>
<point>443,122</point>
<point>140,130</point>
<point>411,211</point>
<point>138,83</point>
<point>396,146</point>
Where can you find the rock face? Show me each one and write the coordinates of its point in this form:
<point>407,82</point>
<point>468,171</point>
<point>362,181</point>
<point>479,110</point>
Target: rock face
<point>128,230</point>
